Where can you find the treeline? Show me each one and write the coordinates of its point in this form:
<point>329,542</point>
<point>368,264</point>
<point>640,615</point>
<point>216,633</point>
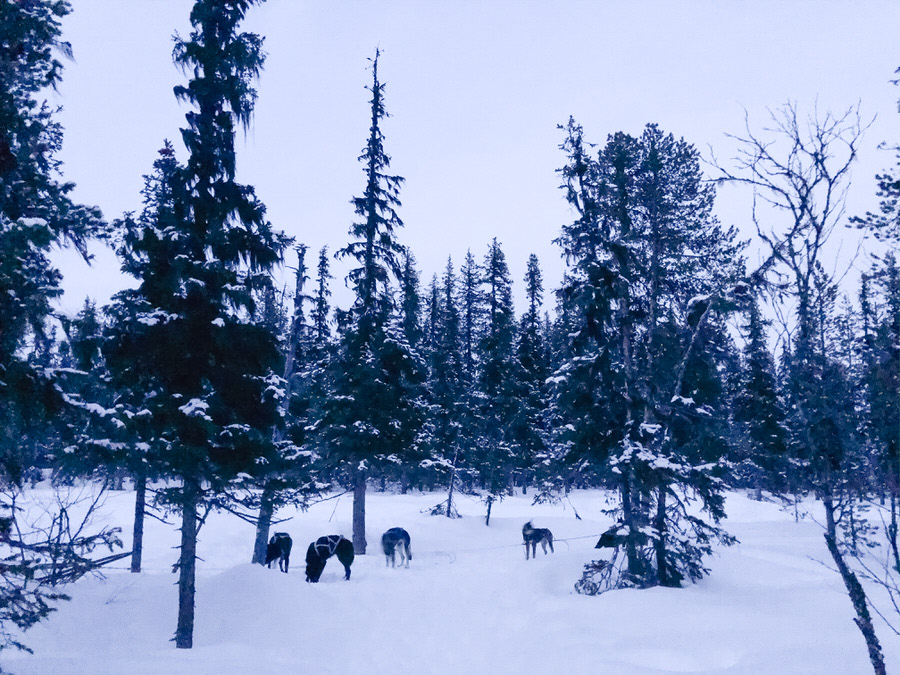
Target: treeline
<point>208,386</point>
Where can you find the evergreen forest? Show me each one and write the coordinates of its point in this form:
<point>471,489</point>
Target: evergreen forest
<point>665,367</point>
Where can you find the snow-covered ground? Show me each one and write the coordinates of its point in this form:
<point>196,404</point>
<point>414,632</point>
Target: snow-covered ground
<point>469,603</point>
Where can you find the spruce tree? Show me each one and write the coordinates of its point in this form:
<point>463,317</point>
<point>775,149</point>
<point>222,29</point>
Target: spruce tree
<point>447,388</point>
<point>531,349</point>
<point>882,371</point>
<point>36,214</point>
<point>689,262</point>
<point>470,308</point>
<point>411,303</point>
<point>376,411</point>
<point>432,326</point>
<point>649,268</point>
<point>440,438</point>
<point>321,307</point>
<point>321,348</point>
<point>139,450</point>
<point>288,477</point>
<point>881,378</point>
<point>590,394</point>
<point>880,307</point>
<point>201,261</point>
<point>499,380</point>
<point>530,430</point>
<point>758,413</point>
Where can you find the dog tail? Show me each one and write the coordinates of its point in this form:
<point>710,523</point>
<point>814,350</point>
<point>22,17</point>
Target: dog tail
<point>550,541</point>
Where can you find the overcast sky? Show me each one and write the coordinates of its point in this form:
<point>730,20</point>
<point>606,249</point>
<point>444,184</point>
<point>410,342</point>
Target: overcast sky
<point>475,91</point>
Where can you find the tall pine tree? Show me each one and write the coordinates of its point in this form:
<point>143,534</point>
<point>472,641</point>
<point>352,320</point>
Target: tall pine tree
<point>188,332</point>
<point>639,392</point>
<point>289,477</point>
<point>761,445</point>
<point>376,410</point>
<point>499,382</point>
<point>530,430</point>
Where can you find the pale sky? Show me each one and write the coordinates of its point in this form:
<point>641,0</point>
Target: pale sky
<point>475,91</point>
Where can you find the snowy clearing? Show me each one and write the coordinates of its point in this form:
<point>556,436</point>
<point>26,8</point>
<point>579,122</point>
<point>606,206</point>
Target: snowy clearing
<point>469,603</point>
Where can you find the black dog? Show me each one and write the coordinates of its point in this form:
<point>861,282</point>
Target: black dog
<point>396,540</point>
<point>279,548</point>
<point>534,536</point>
<point>322,549</point>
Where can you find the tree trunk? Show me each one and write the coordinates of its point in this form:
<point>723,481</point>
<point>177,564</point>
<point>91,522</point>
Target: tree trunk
<point>263,523</point>
<point>359,513</point>
<point>490,503</point>
<point>892,534</point>
<point>137,537</point>
<point>449,512</point>
<point>267,499</point>
<point>634,565</point>
<point>855,590</point>
<point>184,633</point>
<point>662,570</point>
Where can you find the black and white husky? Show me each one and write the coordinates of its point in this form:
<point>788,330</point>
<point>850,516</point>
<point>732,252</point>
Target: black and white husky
<point>533,536</point>
<point>279,548</point>
<point>396,540</point>
<point>322,549</point>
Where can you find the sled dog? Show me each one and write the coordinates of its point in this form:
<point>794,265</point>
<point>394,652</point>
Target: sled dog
<point>396,541</point>
<point>532,536</point>
<point>279,549</point>
<point>322,549</point>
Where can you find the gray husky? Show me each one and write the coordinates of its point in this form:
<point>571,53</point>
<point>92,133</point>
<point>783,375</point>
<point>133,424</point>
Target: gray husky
<point>533,536</point>
<point>396,541</point>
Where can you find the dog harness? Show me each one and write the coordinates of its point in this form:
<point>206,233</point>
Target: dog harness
<point>326,546</point>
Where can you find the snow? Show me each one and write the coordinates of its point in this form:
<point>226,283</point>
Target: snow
<point>697,298</point>
<point>469,603</point>
<point>33,222</point>
<point>156,317</point>
<point>196,407</point>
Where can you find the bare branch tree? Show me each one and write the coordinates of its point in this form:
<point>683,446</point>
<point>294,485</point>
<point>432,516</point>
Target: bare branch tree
<point>800,168</point>
<point>44,547</point>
